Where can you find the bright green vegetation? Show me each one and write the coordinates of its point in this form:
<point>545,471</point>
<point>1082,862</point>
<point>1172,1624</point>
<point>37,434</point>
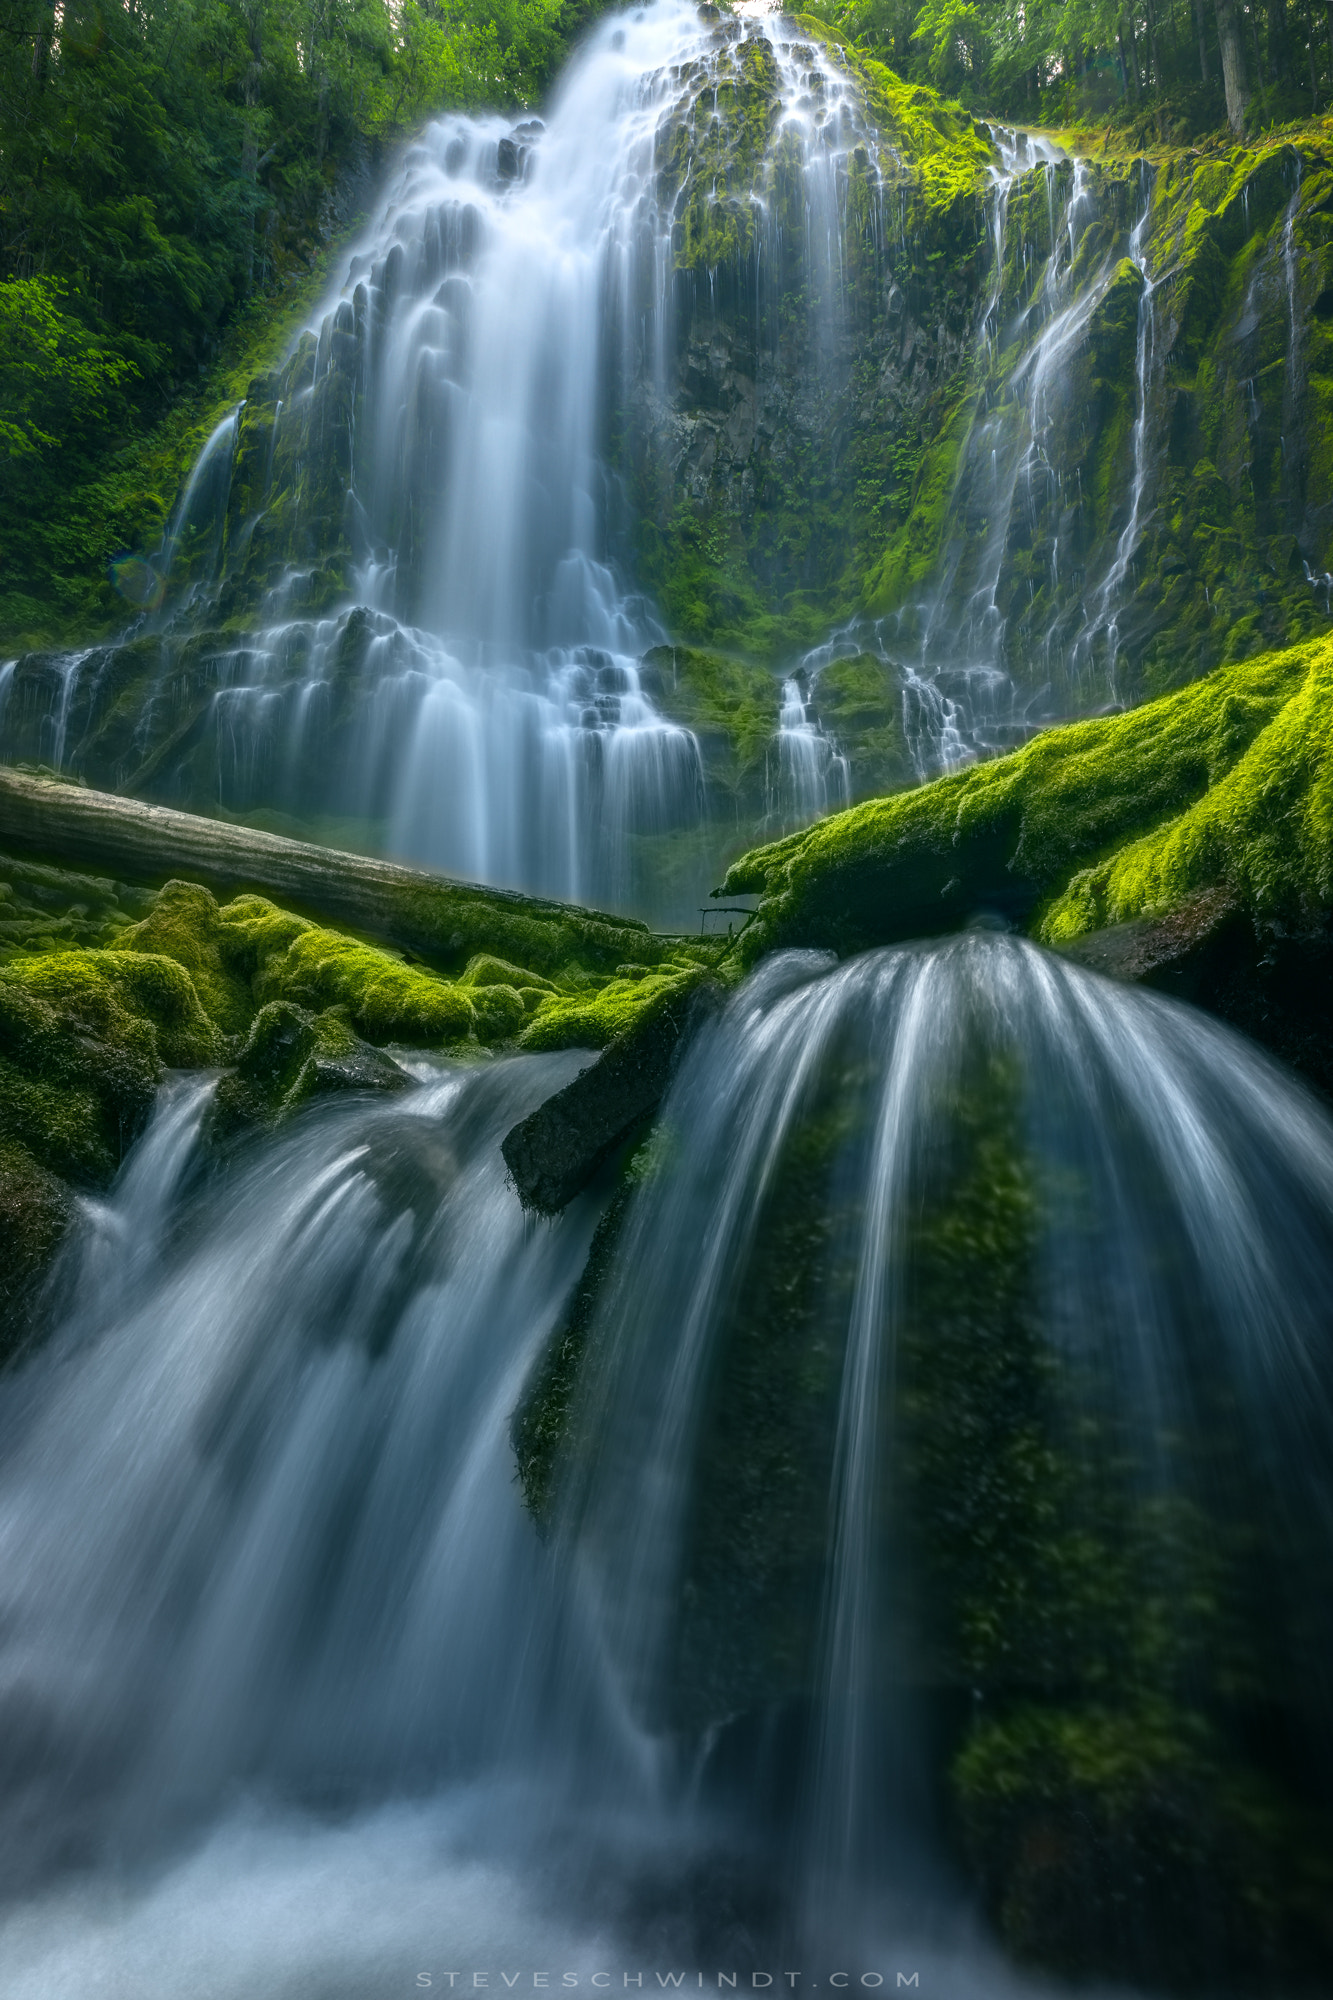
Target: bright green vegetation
<point>170,174</point>
<point>1224,781</point>
<point>876,492</point>
<point>103,987</point>
<point>1264,829</point>
<point>591,1020</point>
<point>1156,70</point>
<point>248,953</point>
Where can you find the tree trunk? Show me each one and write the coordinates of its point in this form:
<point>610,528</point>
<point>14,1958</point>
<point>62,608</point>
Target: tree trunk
<point>1233,64</point>
<point>440,919</point>
<point>1129,62</point>
<point>1201,23</point>
<point>1152,46</point>
<point>41,48</point>
<point>1277,39</point>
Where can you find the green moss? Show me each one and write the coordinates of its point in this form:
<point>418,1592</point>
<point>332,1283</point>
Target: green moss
<point>185,925</point>
<point>79,1065</point>
<point>290,1057</point>
<point>1127,1838</point>
<point>1006,834</point>
<point>542,1429</point>
<point>36,1211</point>
<point>590,1021</point>
<point>730,704</point>
<point>1263,828</point>
<point>385,999</point>
<point>487,970</point>
<point>43,908</point>
<point>858,702</point>
<point>107,991</point>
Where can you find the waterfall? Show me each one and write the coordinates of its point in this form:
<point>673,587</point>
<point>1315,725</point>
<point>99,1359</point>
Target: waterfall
<point>418,523</point>
<point>812,778</point>
<point>871,1173</point>
<point>1105,615</point>
<point>273,1615</point>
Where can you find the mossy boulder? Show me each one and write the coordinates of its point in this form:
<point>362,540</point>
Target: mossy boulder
<point>1012,835</point>
<point>593,1019</point>
<point>1127,1839</point>
<point>44,908</point>
<point>1263,828</point>
<point>84,1037</point>
<point>36,1212</point>
<point>858,702</point>
<point>558,1149</point>
<point>289,1057</point>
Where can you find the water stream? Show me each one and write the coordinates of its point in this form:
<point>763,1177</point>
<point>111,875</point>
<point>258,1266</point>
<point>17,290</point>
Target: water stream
<point>296,1697</point>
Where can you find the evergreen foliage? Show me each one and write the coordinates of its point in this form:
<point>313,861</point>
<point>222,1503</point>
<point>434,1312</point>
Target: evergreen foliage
<point>167,168</point>
<point>1171,68</point>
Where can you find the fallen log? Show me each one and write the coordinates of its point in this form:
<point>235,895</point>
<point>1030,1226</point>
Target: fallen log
<point>445,922</point>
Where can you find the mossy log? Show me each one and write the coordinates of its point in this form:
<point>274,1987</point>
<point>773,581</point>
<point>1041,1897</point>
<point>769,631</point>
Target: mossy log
<point>445,922</point>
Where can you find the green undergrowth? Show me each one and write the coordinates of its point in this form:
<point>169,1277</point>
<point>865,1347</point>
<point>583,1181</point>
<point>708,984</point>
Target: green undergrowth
<point>122,504</point>
<point>1225,781</point>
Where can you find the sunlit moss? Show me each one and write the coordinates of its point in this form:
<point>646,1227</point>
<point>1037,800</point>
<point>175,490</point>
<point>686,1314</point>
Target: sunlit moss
<point>1010,833</point>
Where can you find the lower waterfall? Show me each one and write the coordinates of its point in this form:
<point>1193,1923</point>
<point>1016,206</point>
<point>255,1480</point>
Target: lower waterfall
<point>940,1249</point>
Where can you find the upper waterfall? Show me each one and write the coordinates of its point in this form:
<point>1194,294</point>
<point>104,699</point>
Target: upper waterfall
<point>746,365</point>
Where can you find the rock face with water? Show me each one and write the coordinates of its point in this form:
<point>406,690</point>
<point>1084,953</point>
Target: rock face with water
<point>869,1433</point>
<point>900,433</point>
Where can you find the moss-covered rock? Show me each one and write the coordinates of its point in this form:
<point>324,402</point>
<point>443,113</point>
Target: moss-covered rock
<point>1008,835</point>
<point>80,1063</point>
<point>36,1211</point>
<point>1263,829</point>
<point>289,1057</point>
<point>1127,1839</point>
<point>591,1020</point>
<point>556,1151</point>
<point>43,908</point>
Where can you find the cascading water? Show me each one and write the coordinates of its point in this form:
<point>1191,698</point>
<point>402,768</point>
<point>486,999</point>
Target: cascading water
<point>444,651</point>
<point>884,1181</point>
<point>1103,621</point>
<point>811,776</point>
<point>963,1344</point>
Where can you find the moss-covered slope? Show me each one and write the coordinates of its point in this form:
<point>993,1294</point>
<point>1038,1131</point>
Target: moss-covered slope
<point>105,986</point>
<point>1222,782</point>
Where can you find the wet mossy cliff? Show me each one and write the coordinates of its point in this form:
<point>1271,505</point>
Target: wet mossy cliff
<point>1049,430</point>
<point>1185,842</point>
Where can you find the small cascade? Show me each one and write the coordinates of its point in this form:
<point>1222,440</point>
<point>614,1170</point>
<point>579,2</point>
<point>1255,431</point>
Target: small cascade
<point>812,777</point>
<point>1103,621</point>
<point>874,1175</point>
<point>198,522</point>
<point>962,1346</point>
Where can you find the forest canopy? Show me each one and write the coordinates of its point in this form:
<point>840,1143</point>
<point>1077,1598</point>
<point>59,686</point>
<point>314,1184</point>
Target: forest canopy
<point>1179,66</point>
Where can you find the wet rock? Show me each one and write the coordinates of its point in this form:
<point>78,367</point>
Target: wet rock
<point>36,1211</point>
<point>555,1151</point>
<point>290,1057</point>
